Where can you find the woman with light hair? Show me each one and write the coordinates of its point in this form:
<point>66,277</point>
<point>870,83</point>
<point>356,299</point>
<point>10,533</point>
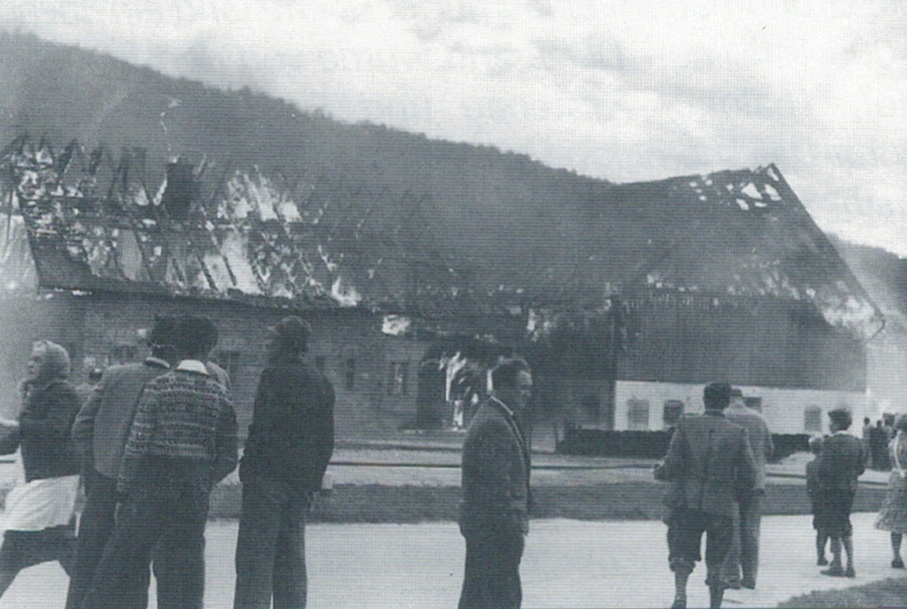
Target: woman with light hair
<point>893,515</point>
<point>38,524</point>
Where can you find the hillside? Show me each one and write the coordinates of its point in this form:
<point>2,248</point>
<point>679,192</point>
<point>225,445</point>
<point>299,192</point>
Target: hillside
<point>67,92</point>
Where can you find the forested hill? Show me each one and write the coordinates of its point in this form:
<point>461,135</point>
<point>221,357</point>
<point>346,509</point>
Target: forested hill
<point>64,92</point>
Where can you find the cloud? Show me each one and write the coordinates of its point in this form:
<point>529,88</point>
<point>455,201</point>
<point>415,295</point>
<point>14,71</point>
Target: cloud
<point>624,91</point>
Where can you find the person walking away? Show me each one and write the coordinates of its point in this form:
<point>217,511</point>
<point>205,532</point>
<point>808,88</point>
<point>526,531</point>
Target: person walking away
<point>893,515</point>
<point>820,514</point>
<point>867,440</point>
<point>839,468</point>
<point>744,554</point>
<point>494,512</point>
<point>289,445</point>
<point>878,443</point>
<point>83,390</point>
<point>710,465</point>
<point>99,434</point>
<point>181,443</point>
<point>39,518</point>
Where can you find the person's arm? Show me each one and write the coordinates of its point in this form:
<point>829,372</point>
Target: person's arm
<point>747,470</point>
<point>320,444</point>
<point>769,444</point>
<point>226,450</point>
<point>675,460</point>
<point>140,434</point>
<point>55,423</point>
<point>83,427</point>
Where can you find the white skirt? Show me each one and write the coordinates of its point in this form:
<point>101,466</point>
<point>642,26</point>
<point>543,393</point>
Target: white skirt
<point>40,504</point>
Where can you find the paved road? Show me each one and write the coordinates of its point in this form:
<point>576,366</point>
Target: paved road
<point>567,564</point>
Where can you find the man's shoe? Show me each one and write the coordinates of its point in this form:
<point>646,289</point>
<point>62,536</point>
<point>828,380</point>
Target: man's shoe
<point>834,571</point>
<point>680,602</point>
<point>897,563</point>
<point>850,572</point>
<point>749,585</point>
<point>822,562</point>
<point>733,584</point>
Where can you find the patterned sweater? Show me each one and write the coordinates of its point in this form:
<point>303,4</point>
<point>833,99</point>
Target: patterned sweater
<point>183,414</point>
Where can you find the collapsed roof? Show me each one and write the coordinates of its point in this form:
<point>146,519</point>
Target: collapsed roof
<point>245,235</point>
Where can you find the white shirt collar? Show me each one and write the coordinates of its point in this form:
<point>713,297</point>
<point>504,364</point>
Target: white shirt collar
<point>192,365</point>
<point>503,405</point>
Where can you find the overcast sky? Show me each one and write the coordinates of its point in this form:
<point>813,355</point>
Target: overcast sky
<point>625,91</point>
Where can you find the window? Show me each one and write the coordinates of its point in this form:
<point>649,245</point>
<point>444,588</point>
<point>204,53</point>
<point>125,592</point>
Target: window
<point>754,403</point>
<point>812,419</point>
<point>397,383</point>
<point>673,410</point>
<point>320,362</point>
<point>123,354</point>
<point>350,373</point>
<point>229,361</point>
<point>638,414</point>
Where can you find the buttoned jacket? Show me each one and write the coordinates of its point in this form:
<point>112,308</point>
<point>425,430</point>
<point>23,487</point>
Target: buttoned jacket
<point>495,472</point>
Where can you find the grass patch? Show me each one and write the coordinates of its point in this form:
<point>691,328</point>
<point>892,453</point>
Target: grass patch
<point>887,593</point>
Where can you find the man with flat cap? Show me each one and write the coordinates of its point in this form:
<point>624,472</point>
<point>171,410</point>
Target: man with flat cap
<point>289,444</point>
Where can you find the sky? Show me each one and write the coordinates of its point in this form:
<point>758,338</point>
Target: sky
<point>624,91</point>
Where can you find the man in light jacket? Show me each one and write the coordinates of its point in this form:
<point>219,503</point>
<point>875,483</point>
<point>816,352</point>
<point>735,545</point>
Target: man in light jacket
<point>744,554</point>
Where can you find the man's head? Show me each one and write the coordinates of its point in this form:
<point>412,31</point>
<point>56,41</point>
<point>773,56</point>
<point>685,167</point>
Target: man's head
<point>48,361</point>
<point>512,382</point>
<point>866,421</point>
<point>195,337</point>
<point>839,419</point>
<point>900,423</point>
<point>290,336</point>
<point>162,338</point>
<point>737,397</point>
<point>716,396</point>
<point>94,375</point>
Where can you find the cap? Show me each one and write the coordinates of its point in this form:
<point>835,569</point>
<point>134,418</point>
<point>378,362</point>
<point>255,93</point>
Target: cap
<point>293,331</point>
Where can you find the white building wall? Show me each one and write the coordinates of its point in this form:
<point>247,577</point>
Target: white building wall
<point>784,408</point>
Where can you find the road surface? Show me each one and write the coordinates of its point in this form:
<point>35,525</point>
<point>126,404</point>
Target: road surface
<point>567,564</point>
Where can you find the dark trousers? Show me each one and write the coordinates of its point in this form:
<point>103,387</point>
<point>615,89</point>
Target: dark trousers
<point>95,528</point>
<point>270,549</point>
<point>744,552</point>
<point>492,574</point>
<point>685,529</point>
<point>170,504</point>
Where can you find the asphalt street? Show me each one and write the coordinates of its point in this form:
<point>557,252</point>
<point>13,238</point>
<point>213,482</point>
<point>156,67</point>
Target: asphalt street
<point>567,564</point>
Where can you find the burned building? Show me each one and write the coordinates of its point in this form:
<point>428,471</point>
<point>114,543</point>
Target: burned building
<point>626,298</point>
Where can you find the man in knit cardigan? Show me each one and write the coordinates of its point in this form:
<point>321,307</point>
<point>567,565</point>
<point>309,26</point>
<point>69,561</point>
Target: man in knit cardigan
<point>182,442</point>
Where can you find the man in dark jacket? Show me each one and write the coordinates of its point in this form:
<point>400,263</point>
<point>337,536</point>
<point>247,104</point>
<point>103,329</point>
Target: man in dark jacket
<point>711,464</point>
<point>494,513</point>
<point>99,434</point>
<point>289,445</point>
<point>840,466</point>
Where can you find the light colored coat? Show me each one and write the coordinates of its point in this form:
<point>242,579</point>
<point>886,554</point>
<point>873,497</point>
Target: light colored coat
<point>757,433</point>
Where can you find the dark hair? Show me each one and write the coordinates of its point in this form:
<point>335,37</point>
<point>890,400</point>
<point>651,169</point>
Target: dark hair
<point>716,396</point>
<point>195,336</point>
<point>163,333</point>
<point>506,370</point>
<point>95,374</point>
<point>841,417</point>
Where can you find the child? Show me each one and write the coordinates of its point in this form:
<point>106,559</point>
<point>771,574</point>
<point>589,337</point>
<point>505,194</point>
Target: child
<point>812,489</point>
<point>839,468</point>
